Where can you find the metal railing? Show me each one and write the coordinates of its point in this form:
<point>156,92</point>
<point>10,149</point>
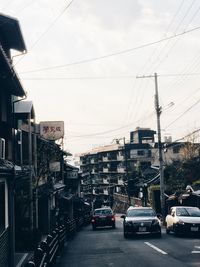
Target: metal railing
<point>46,253</point>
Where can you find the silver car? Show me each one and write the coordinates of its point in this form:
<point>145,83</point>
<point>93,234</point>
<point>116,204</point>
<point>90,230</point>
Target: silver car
<point>141,220</point>
<point>183,220</point>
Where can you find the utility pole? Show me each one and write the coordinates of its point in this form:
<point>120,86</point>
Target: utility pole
<point>161,170</point>
<point>127,177</point>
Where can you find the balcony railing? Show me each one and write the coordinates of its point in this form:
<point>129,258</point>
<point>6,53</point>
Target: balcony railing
<point>105,159</point>
<point>121,170</point>
<point>105,181</point>
<point>120,157</point>
<point>105,191</point>
<point>120,182</point>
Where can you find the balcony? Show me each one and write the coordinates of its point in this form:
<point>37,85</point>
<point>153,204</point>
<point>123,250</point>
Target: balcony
<point>93,161</point>
<point>120,158</point>
<point>105,191</point>
<point>112,158</point>
<point>121,170</point>
<point>105,170</point>
<point>105,181</point>
<point>104,159</point>
<point>120,182</point>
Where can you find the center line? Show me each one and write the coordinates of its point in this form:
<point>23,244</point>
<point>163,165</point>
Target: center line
<point>157,249</point>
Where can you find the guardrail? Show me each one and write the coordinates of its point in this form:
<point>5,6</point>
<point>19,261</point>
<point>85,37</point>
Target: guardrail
<point>48,250</point>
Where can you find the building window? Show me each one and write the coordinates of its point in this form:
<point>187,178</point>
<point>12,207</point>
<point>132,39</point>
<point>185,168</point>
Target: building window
<point>140,152</point>
<point>132,153</point>
<point>176,149</point>
<point>149,153</point>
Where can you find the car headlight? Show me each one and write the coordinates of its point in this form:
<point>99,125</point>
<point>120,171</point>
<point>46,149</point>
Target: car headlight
<point>180,222</point>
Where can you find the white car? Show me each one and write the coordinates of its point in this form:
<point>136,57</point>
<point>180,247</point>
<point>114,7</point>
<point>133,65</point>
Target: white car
<point>183,220</point>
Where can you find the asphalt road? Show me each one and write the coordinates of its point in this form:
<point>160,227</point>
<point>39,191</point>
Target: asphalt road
<point>107,247</point>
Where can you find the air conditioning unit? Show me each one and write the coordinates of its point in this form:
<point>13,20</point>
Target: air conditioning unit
<point>2,148</point>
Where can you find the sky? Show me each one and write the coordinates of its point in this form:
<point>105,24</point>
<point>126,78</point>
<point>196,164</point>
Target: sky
<point>85,60</point>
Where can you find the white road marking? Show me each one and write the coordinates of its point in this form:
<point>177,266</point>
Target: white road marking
<point>156,248</point>
<point>195,252</point>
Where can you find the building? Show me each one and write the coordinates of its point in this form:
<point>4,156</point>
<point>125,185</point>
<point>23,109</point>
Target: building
<point>106,170</point>
<point>10,89</point>
<point>126,167</point>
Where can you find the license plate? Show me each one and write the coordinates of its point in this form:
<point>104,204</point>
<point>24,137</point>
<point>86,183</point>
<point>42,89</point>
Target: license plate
<point>194,229</point>
<point>142,229</point>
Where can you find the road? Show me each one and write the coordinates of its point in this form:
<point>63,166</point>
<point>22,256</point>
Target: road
<point>107,247</point>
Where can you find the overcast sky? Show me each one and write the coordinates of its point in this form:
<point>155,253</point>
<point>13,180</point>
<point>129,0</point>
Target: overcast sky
<point>83,58</point>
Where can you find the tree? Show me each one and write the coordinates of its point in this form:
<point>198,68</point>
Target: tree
<point>179,174</point>
<point>174,177</point>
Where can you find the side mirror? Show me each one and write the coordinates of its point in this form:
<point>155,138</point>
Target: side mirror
<point>123,216</point>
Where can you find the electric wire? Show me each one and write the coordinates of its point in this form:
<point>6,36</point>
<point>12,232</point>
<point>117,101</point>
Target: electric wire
<point>163,55</point>
<point>180,116</point>
<point>84,61</point>
<point>48,28</point>
<point>145,65</point>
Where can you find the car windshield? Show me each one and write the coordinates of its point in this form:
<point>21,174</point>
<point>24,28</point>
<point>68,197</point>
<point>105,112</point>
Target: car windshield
<point>193,212</point>
<point>103,212</point>
<point>140,213</point>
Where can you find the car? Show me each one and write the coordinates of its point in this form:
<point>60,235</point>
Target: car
<point>183,220</point>
<point>141,220</point>
<point>103,217</point>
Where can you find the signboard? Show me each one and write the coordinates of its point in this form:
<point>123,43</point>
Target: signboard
<point>72,174</point>
<point>52,130</point>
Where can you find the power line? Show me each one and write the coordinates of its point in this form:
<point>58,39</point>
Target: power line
<point>50,26</point>
<point>106,77</point>
<point>165,45</point>
<point>186,98</point>
<point>188,11</point>
<point>188,135</point>
<point>178,10</point>
<point>53,22</point>
<point>162,56</point>
<point>197,102</point>
<point>113,54</point>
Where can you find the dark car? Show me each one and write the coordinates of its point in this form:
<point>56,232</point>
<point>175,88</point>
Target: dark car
<point>103,217</point>
<point>141,220</point>
<point>183,220</point>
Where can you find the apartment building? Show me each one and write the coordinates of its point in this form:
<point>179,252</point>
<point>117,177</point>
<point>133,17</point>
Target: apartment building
<point>105,170</point>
